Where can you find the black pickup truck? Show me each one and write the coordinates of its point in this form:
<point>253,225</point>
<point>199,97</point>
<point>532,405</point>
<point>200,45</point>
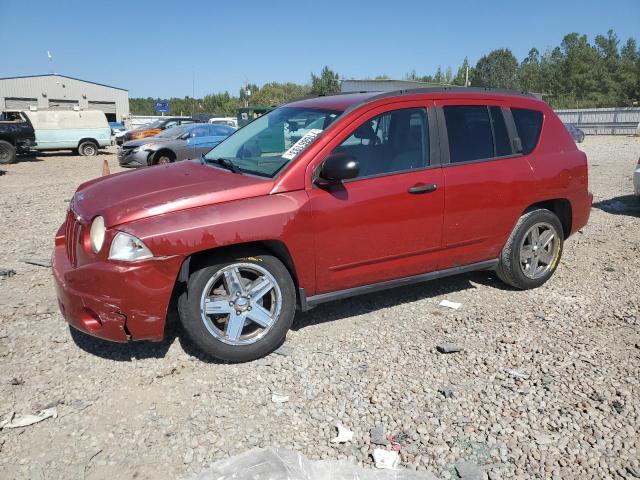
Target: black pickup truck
<point>16,135</point>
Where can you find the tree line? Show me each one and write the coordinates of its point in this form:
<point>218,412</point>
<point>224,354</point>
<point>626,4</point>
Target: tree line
<point>575,74</point>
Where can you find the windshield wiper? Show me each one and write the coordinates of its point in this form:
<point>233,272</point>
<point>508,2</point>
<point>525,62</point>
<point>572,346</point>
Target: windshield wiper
<point>223,162</point>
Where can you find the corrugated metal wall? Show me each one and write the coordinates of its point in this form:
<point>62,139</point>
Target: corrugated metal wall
<point>603,121</point>
<point>20,103</point>
<point>51,91</point>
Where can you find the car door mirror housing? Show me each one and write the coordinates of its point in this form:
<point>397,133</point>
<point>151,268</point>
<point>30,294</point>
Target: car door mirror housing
<point>338,167</point>
<point>185,136</point>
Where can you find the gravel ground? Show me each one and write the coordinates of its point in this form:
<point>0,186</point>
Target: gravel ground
<point>547,386</point>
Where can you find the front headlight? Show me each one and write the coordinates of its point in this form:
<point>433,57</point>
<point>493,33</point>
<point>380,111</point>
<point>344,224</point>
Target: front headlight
<point>96,234</point>
<point>128,248</point>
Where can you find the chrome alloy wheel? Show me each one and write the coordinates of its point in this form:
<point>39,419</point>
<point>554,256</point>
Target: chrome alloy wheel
<point>240,303</point>
<point>539,250</point>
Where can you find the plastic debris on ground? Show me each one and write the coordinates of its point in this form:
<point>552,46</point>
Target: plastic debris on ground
<point>11,422</point>
<point>449,348</point>
<point>395,445</point>
<point>282,464</point>
<point>279,398</point>
<point>37,261</point>
<point>344,434</point>
<point>7,272</point>
<point>449,304</point>
<point>386,459</point>
<point>517,374</point>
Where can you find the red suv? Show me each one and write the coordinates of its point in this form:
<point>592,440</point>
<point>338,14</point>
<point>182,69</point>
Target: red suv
<point>317,200</point>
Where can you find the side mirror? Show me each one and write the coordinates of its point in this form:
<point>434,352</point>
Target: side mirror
<point>339,166</point>
<point>185,136</point>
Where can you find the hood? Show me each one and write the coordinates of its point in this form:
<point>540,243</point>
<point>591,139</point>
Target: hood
<point>147,140</point>
<point>134,195</point>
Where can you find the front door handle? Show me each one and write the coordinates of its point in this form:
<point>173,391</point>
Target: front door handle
<point>431,187</point>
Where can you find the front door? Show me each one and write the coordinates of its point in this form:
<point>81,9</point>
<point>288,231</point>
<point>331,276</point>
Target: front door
<point>387,222</point>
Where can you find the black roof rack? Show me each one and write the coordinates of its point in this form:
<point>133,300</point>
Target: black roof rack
<point>442,89</point>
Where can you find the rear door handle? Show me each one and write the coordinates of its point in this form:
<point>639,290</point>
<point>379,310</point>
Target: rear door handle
<point>416,189</point>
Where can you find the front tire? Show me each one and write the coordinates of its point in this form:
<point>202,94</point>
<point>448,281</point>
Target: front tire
<point>533,250</point>
<point>238,309</point>
<point>164,158</point>
<point>7,153</point>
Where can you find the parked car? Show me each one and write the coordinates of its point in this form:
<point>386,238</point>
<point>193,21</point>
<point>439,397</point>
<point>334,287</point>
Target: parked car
<point>178,143</point>
<point>153,128</point>
<point>229,121</point>
<point>84,131</point>
<point>576,133</point>
<point>387,190</point>
<point>16,136</point>
<point>116,128</point>
<point>636,180</point>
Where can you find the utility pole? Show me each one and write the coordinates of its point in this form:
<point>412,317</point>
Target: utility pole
<point>466,77</point>
<point>193,86</point>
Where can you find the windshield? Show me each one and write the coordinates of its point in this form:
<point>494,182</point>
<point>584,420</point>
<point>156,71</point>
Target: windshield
<point>266,145</point>
<point>174,132</point>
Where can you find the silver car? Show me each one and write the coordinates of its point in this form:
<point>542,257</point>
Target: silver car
<point>576,133</point>
<point>172,145</point>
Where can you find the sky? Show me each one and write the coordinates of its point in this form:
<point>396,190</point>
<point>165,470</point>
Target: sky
<point>165,49</point>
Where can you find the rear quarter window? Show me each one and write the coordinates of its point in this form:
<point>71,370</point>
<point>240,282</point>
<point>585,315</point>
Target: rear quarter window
<point>529,124</point>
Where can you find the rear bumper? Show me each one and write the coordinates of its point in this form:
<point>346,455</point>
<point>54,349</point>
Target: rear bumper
<point>114,301</point>
<point>581,210</point>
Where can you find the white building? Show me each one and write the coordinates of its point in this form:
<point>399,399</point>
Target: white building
<point>59,92</point>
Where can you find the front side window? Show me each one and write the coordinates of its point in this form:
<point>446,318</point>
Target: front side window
<point>392,142</point>
<point>269,143</point>
<point>529,124</point>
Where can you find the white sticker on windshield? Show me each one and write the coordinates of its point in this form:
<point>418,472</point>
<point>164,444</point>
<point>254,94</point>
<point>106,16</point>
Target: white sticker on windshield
<point>301,144</point>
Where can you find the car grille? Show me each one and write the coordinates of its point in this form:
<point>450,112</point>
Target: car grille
<point>72,237</point>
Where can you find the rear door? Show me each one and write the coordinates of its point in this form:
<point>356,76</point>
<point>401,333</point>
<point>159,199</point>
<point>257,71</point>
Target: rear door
<point>387,222</point>
<point>485,180</point>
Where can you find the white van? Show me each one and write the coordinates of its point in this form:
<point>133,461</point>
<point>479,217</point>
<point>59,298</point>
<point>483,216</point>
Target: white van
<point>229,121</point>
<point>82,130</point>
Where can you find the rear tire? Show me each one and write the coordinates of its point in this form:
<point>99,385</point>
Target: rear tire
<point>88,149</point>
<point>239,308</point>
<point>533,250</point>
<point>7,153</point>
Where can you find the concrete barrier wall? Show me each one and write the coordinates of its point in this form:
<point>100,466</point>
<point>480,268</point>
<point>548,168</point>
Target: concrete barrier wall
<point>603,121</point>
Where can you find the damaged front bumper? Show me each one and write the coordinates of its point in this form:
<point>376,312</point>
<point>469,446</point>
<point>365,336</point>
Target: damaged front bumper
<point>115,301</point>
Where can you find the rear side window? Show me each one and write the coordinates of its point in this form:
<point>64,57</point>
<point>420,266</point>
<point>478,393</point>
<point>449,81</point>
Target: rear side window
<point>469,132</point>
<point>528,123</point>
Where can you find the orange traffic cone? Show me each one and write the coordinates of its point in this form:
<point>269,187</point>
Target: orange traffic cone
<point>105,168</point>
